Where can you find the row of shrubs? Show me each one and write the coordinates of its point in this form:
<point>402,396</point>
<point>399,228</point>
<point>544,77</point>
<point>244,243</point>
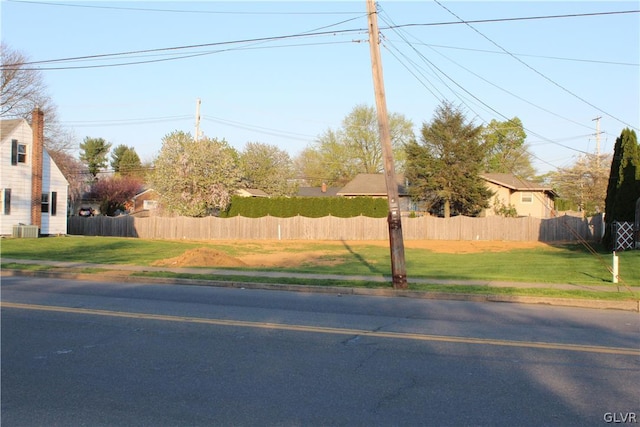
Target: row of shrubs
<point>311,207</point>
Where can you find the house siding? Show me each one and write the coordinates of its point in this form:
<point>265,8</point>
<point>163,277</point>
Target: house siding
<point>18,178</point>
<point>541,206</point>
<point>54,181</point>
<point>145,196</point>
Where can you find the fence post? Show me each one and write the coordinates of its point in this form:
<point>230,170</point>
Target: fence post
<point>615,267</point>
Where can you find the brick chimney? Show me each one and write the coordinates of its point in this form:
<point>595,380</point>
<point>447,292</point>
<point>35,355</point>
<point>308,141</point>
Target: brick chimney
<point>37,149</point>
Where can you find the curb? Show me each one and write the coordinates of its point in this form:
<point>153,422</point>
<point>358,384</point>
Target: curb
<point>563,302</point>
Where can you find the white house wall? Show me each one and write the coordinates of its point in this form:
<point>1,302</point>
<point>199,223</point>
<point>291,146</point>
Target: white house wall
<point>54,180</point>
<point>17,178</point>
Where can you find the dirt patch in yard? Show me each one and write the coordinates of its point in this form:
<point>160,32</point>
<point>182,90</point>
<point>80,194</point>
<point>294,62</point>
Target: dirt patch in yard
<point>296,253</point>
<point>201,257</point>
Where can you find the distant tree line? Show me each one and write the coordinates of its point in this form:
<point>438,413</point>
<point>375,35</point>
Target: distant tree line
<point>443,163</point>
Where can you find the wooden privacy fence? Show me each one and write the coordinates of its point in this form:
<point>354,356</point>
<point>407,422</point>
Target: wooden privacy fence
<point>564,228</point>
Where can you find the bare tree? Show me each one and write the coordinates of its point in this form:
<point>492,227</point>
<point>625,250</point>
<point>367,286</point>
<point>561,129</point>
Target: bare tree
<point>584,183</point>
<point>21,90</point>
<point>76,173</point>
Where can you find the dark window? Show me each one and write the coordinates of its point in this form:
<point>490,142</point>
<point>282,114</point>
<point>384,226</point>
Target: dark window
<point>54,203</point>
<point>18,152</point>
<point>14,152</point>
<point>6,201</point>
<point>44,205</point>
<point>22,153</point>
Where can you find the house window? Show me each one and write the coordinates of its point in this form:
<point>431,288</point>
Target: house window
<point>6,201</point>
<point>44,205</point>
<point>54,203</point>
<point>149,204</point>
<point>527,198</point>
<point>18,152</point>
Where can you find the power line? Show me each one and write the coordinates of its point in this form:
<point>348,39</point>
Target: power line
<point>515,95</point>
<point>526,18</point>
<point>179,57</point>
<point>468,24</point>
<point>184,47</point>
<point>260,129</point>
<point>215,12</point>
<point>558,58</point>
<point>479,21</point>
<point>441,72</point>
<point>126,122</point>
<point>305,34</point>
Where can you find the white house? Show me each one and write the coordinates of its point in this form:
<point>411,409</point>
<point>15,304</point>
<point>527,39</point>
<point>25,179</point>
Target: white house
<point>33,191</point>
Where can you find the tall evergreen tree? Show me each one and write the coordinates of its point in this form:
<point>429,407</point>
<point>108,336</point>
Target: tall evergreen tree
<point>116,155</point>
<point>443,169</point>
<point>130,164</point>
<point>93,153</point>
<point>624,182</point>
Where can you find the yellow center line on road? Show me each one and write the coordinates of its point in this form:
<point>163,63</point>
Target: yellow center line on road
<point>327,330</point>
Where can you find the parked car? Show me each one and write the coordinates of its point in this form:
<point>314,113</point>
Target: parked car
<point>85,212</point>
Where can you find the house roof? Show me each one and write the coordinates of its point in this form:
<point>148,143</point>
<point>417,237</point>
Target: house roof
<point>7,126</point>
<point>371,184</point>
<point>143,192</point>
<point>512,182</point>
<point>317,192</point>
<point>253,192</point>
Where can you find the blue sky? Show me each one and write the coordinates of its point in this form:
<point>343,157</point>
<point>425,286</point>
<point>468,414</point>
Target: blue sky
<point>556,74</point>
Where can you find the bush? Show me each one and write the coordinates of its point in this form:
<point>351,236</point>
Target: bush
<point>311,207</point>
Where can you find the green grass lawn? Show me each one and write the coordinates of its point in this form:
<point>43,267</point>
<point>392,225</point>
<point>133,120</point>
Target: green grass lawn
<point>564,264</point>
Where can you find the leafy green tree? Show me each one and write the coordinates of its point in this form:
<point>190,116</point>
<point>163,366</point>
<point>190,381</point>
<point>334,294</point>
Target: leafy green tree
<point>328,161</point>
<point>339,155</point>
<point>506,149</point>
<point>624,182</point>
<point>443,169</point>
<point>309,164</point>
<point>268,168</point>
<point>195,178</point>
<point>93,153</point>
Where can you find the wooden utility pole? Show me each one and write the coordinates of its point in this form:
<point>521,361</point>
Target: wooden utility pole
<point>197,135</point>
<point>396,242</point>
<point>597,120</point>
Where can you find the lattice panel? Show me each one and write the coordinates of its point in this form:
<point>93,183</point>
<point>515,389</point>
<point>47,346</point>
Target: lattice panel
<point>624,236</point>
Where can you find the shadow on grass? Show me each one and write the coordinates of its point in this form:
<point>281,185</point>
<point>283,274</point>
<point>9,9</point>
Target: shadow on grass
<point>360,258</point>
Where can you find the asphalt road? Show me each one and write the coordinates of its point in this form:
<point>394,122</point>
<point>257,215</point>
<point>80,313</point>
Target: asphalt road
<point>92,354</point>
